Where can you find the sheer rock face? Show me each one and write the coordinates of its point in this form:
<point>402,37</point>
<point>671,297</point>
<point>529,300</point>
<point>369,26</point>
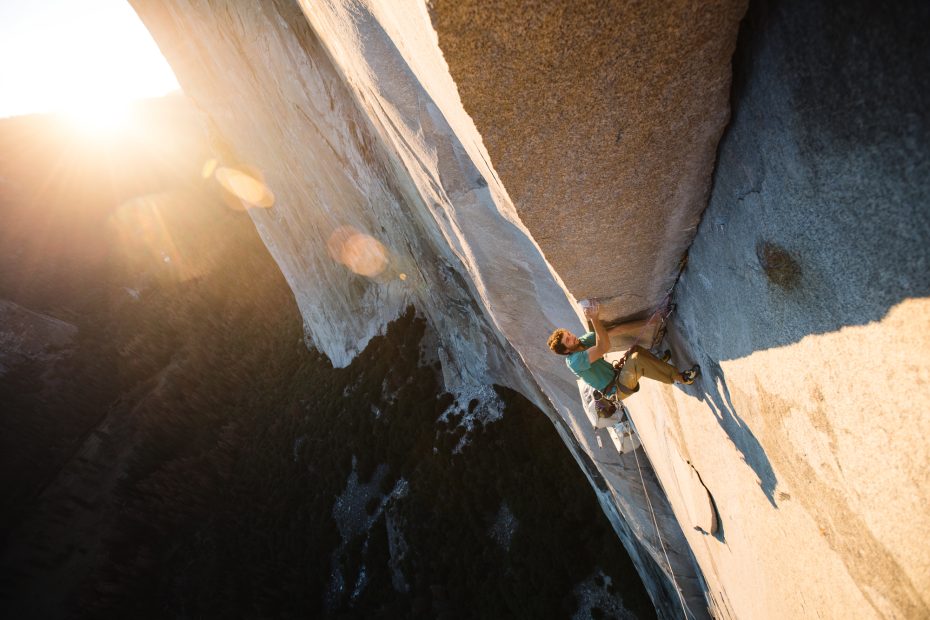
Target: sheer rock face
<point>606,119</point>
<point>809,271</point>
<point>602,122</point>
<point>349,111</point>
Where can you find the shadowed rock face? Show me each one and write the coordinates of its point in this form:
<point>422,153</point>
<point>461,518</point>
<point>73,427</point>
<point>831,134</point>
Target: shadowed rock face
<point>821,190</point>
<point>599,119</point>
<point>815,238</point>
<point>26,334</point>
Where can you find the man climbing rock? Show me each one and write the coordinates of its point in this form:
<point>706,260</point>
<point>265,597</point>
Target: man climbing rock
<point>585,358</point>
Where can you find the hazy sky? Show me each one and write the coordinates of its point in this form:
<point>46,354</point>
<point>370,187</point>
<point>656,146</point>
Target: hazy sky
<point>68,54</point>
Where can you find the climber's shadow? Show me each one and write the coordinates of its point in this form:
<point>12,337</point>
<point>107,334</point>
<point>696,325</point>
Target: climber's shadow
<point>712,389</point>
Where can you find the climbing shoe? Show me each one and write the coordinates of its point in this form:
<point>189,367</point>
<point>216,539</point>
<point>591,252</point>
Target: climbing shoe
<point>688,376</point>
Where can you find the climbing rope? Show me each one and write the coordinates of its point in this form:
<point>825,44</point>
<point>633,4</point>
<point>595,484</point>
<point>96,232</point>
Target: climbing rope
<point>655,522</point>
<point>663,307</point>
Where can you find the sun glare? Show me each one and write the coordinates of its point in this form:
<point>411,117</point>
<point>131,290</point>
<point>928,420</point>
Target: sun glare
<point>101,117</point>
<point>87,60</point>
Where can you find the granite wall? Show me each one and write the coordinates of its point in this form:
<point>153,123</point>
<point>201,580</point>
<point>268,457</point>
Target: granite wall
<point>602,120</point>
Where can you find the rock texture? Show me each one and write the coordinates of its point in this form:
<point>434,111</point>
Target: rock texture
<point>811,261</point>
<point>27,335</point>
<point>349,113</point>
<point>805,300</point>
<point>602,120</point>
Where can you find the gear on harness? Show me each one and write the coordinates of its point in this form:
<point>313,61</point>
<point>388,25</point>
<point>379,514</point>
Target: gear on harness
<point>607,402</point>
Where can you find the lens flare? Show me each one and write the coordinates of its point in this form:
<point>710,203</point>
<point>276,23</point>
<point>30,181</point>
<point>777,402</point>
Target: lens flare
<point>144,237</point>
<point>246,186</point>
<point>365,255</point>
<point>337,240</point>
<point>209,167</point>
<point>360,252</point>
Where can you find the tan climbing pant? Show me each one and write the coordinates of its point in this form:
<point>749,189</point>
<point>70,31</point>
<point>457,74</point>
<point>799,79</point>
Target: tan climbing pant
<point>641,363</point>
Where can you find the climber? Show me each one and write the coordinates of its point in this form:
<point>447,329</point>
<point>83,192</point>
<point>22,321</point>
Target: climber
<point>585,358</point>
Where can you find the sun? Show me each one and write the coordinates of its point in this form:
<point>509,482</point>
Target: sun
<point>85,60</point>
<point>98,117</point>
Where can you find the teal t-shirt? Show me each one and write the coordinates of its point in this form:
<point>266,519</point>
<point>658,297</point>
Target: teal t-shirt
<point>598,374</point>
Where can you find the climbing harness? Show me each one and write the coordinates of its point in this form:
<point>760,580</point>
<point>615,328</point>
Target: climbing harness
<point>607,401</point>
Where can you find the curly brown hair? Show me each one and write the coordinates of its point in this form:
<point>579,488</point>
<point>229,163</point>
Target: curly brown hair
<point>555,341</point>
